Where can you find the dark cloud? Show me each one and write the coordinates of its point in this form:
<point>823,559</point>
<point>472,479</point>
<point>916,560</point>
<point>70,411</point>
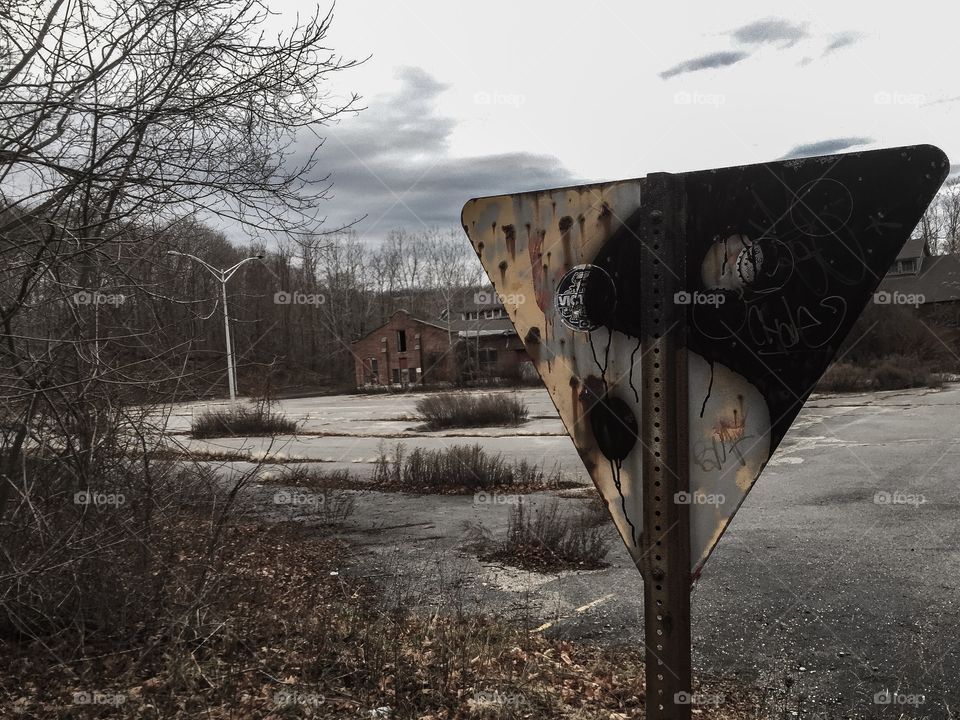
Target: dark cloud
<point>841,41</point>
<point>391,162</point>
<point>827,147</point>
<point>705,62</point>
<point>770,30</point>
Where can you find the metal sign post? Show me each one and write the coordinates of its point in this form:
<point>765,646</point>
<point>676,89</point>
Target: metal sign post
<point>679,322</point>
<point>663,401</point>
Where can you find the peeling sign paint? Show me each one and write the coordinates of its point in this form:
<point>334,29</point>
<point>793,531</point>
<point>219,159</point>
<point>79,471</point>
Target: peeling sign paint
<point>781,259</point>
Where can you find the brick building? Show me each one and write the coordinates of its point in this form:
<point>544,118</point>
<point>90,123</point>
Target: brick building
<point>475,343</point>
<point>404,351</point>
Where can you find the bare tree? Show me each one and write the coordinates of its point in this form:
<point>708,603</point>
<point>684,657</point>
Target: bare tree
<point>940,225</point>
<point>124,126</point>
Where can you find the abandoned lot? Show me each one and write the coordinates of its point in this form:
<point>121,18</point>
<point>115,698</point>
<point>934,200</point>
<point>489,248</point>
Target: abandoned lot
<point>820,585</point>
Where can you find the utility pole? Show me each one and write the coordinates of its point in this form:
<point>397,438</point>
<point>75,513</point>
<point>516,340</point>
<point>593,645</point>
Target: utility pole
<point>223,276</point>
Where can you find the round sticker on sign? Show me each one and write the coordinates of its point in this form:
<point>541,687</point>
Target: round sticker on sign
<point>585,298</point>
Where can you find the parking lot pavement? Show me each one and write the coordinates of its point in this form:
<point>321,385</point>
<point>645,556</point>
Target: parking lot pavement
<point>841,571</point>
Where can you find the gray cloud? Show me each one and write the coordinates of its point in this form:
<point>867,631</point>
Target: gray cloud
<point>770,30</point>
<point>705,62</point>
<point>841,41</point>
<point>392,163</point>
<point>827,147</point>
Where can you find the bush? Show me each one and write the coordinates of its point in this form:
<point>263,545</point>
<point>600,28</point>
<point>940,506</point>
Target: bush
<point>452,410</point>
<point>551,539</point>
<point>242,421</point>
<point>892,375</point>
<point>461,468</point>
<point>844,377</point>
<point>107,559</point>
<point>886,331</point>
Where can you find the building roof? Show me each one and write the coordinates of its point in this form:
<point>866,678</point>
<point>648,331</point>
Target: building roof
<point>938,280</point>
<point>482,326</point>
<point>432,323</point>
<point>914,247</point>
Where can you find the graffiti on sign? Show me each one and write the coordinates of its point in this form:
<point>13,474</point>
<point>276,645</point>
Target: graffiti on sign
<point>780,259</point>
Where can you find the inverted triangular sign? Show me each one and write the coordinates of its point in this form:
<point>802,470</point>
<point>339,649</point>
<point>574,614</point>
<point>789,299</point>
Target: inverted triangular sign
<point>769,267</point>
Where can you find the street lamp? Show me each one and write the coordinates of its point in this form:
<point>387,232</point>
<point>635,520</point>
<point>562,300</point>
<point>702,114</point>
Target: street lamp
<point>223,276</point>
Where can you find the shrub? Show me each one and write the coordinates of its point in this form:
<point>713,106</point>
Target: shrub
<point>460,468</point>
<point>893,375</point>
<point>844,377</point>
<point>241,420</point>
<point>551,539</point>
<point>451,410</point>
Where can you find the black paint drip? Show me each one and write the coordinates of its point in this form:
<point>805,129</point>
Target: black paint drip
<point>709,390</point>
<point>636,395</point>
<point>615,466</point>
<point>602,368</point>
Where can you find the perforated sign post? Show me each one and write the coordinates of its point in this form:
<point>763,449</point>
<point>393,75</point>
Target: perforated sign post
<point>679,322</point>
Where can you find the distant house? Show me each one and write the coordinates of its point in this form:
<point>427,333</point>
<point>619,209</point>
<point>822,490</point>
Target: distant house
<point>475,341</point>
<point>934,280</point>
<point>489,345</point>
<point>403,351</point>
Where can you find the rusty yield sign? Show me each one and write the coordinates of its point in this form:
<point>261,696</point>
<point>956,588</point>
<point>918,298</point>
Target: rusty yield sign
<point>679,322</point>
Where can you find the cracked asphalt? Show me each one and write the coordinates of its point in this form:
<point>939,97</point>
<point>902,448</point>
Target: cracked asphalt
<point>839,576</point>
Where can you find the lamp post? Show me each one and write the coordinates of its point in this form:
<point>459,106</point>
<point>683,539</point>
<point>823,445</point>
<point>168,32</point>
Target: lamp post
<point>223,276</point>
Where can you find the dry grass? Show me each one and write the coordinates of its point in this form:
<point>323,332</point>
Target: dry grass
<point>459,469</point>
<point>290,634</point>
<point>241,421</point>
<point>459,410</point>
<point>892,373</point>
<point>549,539</point>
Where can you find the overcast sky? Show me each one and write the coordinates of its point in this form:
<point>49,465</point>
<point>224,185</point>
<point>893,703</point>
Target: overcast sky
<point>474,98</point>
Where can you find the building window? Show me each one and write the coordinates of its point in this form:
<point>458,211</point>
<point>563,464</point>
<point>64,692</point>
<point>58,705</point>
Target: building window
<point>487,357</point>
<point>396,376</point>
<point>401,340</point>
<point>412,374</point>
<point>375,370</point>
